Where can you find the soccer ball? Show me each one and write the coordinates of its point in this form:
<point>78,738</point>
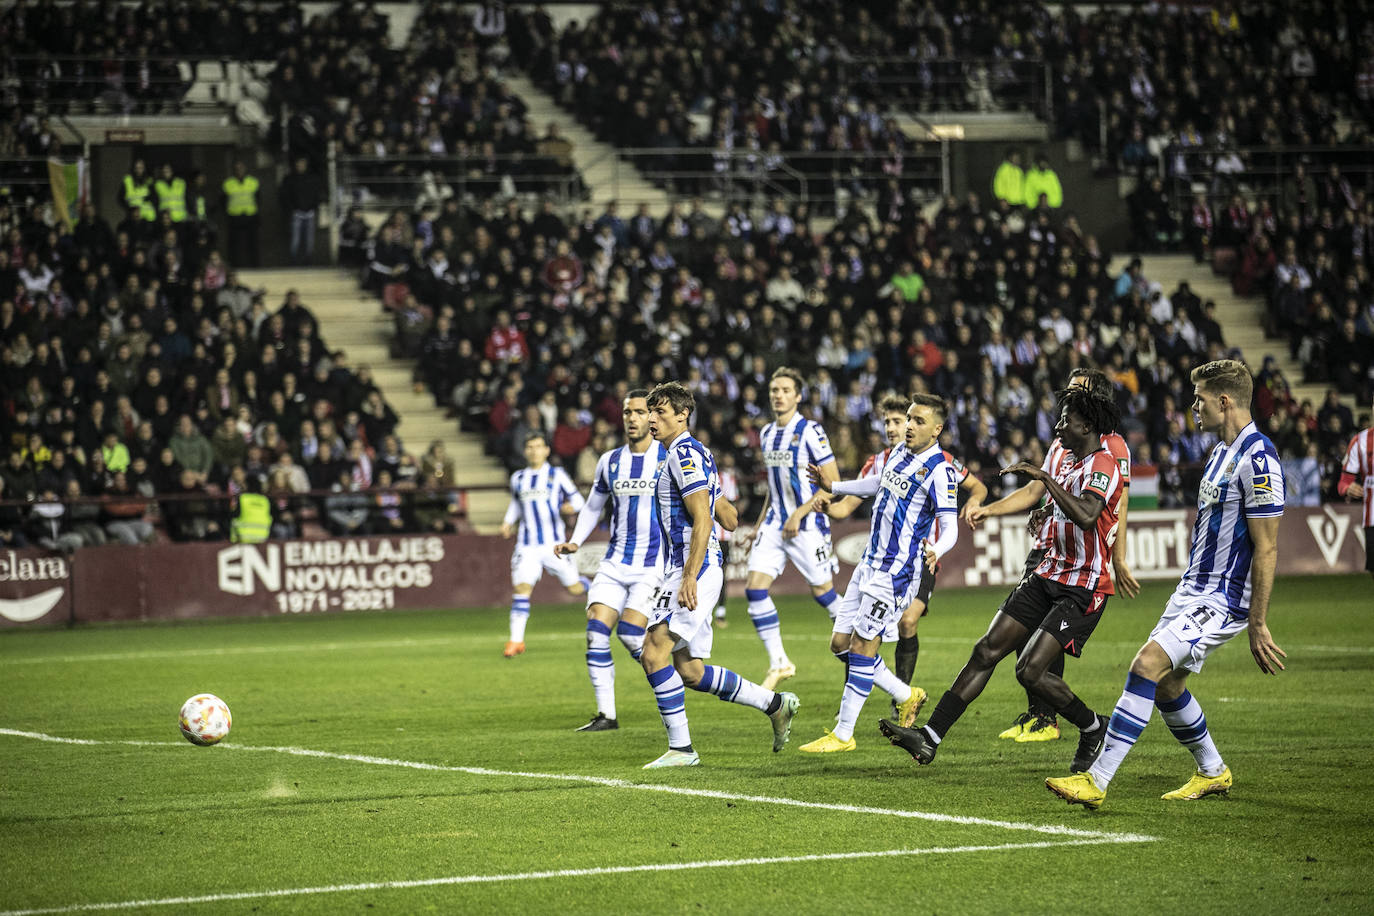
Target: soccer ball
<point>205,719</point>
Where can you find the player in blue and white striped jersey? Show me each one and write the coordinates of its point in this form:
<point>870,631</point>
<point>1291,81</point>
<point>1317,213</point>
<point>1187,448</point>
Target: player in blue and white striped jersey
<point>1224,591</point>
<point>539,495</point>
<point>914,524</point>
<point>787,529</point>
<point>680,635</point>
<point>632,567</point>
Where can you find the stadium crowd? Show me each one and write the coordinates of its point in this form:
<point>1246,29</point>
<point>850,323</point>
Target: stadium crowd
<point>137,370</point>
<point>540,321</point>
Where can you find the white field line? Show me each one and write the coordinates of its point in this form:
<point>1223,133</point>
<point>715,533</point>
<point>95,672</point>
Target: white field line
<point>410,643</point>
<point>543,875</point>
<point>612,783</point>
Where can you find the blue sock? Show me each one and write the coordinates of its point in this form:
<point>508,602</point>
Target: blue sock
<point>601,667</point>
<point>671,697</point>
<point>732,688</point>
<point>858,685</point>
<point>764,615</point>
<point>826,600</point>
<point>1185,719</point>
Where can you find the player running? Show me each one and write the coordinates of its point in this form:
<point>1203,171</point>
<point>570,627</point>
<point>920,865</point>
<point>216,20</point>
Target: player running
<point>1357,482</point>
<point>680,631</point>
<point>539,496</point>
<point>916,487</point>
<point>1038,722</point>
<point>631,569</point>
<point>893,409</point>
<point>787,529</point>
<point>1224,591</point>
<point>1058,607</point>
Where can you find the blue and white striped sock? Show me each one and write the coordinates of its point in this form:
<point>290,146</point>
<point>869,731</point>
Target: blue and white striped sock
<point>884,679</point>
<point>632,637</point>
<point>856,690</point>
<point>519,616</point>
<point>732,688</point>
<point>671,697</point>
<point>601,667</point>
<point>764,615</point>
<point>1129,718</point>
<point>1184,717</point>
<point>584,582</point>
<point>827,601</point>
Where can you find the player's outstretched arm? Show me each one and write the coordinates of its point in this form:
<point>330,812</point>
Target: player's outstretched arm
<point>977,493</point>
<point>1022,499</point>
<point>1264,534</point>
<point>1081,510</point>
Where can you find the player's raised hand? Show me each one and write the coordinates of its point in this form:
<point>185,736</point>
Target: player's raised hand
<point>1265,650</point>
<point>562,550</point>
<point>814,473</point>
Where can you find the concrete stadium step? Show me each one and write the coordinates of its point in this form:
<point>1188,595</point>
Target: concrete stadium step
<point>613,181</point>
<point>1241,319</point>
<point>351,320</point>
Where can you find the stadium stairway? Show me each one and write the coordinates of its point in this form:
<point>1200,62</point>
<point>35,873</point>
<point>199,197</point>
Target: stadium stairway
<point>1241,319</point>
<point>606,175</point>
<point>352,321</point>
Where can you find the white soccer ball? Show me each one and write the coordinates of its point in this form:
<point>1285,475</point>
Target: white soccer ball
<point>205,719</point>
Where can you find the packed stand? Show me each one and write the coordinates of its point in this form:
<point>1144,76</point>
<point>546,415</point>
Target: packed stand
<point>527,322</point>
<point>83,57</point>
<point>431,118</point>
<point>138,374</point>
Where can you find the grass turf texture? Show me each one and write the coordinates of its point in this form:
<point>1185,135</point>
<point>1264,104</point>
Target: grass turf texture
<point>115,822</point>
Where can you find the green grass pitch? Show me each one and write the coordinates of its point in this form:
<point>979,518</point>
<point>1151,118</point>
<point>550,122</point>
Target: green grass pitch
<point>430,796</point>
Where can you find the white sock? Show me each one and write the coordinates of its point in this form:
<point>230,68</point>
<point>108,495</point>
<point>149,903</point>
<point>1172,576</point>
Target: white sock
<point>1185,719</point>
<point>1129,718</point>
<point>601,667</point>
<point>671,696</point>
<point>885,679</point>
<point>856,690</point>
<point>519,616</point>
<point>764,615</point>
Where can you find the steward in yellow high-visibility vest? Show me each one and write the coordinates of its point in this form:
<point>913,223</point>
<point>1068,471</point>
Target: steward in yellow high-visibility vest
<point>1009,182</point>
<point>241,206</point>
<point>138,191</point>
<point>253,524</point>
<point>171,194</point>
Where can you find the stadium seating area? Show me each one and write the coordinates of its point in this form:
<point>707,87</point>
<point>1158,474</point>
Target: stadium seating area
<point>522,321</point>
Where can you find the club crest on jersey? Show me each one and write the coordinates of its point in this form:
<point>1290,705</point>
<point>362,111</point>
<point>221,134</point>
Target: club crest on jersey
<point>796,440</point>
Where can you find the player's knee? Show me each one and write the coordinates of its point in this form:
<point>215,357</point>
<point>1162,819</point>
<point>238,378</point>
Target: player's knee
<point>906,627</point>
<point>985,655</point>
<point>839,643</point>
<point>691,676</point>
<point>1027,674</point>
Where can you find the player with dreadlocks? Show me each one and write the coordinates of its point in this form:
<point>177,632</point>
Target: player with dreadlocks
<point>1055,610</point>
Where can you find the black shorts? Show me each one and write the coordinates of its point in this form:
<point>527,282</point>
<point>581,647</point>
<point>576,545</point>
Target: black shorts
<point>1066,612</point>
<point>1032,561</point>
<point>1369,549</point>
<point>925,589</point>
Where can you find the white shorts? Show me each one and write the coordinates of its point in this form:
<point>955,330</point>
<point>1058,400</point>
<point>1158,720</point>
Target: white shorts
<point>869,607</point>
<point>809,551</point>
<point>527,565</point>
<point>692,628</point>
<point>623,588</point>
<point>1193,626</point>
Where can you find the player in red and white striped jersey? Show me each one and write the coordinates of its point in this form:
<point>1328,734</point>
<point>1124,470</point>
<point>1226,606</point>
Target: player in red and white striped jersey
<point>1357,482</point>
<point>1058,607</point>
<point>1038,722</point>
